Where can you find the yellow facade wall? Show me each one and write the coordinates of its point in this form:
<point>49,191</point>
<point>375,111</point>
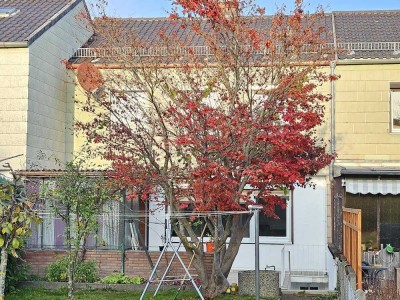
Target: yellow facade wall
<point>362,118</point>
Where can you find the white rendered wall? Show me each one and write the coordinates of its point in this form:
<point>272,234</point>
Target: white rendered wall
<point>308,250</point>
<point>156,223</point>
<point>47,109</point>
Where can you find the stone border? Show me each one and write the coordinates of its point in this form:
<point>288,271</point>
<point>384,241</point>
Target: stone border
<point>97,286</point>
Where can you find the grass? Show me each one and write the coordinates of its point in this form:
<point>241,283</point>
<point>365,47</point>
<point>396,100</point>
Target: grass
<point>42,294</point>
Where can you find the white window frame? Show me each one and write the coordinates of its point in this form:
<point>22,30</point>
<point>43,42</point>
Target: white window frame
<point>275,239</point>
<point>265,239</point>
<point>394,89</point>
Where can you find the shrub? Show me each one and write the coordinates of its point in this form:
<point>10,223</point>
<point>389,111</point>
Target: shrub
<point>85,271</point>
<point>16,271</point>
<point>120,278</point>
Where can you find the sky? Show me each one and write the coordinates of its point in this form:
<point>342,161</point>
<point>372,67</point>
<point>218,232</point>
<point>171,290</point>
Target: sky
<point>159,8</point>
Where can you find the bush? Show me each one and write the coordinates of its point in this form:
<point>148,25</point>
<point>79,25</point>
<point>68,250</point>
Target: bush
<point>85,271</point>
<point>120,278</point>
<point>16,271</point>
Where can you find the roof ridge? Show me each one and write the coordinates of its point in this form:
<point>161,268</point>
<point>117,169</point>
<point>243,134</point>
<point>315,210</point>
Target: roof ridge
<point>375,11</point>
<point>52,20</point>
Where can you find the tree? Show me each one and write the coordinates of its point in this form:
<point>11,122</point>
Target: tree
<point>228,98</point>
<point>77,198</point>
<point>16,216</point>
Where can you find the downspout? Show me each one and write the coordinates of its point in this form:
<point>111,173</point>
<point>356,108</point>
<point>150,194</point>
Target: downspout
<point>332,147</point>
<point>332,91</point>
<point>332,123</point>
<point>123,233</point>
<point>333,120</point>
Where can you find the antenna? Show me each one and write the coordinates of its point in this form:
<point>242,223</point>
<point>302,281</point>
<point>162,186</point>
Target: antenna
<point>89,77</point>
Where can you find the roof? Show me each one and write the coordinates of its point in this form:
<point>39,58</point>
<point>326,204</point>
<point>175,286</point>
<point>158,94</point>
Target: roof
<point>32,19</point>
<point>376,30</point>
<point>46,173</point>
<point>147,31</point>
<point>368,171</point>
<point>360,34</point>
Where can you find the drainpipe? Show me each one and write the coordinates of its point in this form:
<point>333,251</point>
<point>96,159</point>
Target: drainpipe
<point>332,90</point>
<point>123,233</point>
<point>332,127</point>
<point>332,123</point>
<point>332,146</point>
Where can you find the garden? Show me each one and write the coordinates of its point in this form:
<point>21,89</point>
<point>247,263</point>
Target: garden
<point>20,285</point>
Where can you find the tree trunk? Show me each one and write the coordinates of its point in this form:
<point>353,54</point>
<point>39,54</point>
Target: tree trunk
<point>214,282</point>
<point>69,250</point>
<point>70,277</point>
<point>3,269</point>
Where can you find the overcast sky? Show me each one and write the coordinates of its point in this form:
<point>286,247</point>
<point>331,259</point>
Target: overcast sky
<point>159,8</point>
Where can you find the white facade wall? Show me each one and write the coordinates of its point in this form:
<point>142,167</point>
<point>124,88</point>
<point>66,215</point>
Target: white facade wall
<point>47,127</point>
<point>309,241</point>
<point>308,247</point>
<point>14,74</point>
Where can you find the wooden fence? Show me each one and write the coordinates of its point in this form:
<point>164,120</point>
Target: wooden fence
<point>352,241</point>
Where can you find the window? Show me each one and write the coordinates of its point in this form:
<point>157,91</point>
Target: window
<point>395,107</point>
<point>198,225</point>
<point>380,219</point>
<point>274,227</point>
<point>128,106</point>
<point>271,230</point>
<point>275,231</point>
<point>50,233</point>
<point>116,223</point>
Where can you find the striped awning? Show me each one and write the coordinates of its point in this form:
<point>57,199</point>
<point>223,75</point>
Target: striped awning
<point>372,186</point>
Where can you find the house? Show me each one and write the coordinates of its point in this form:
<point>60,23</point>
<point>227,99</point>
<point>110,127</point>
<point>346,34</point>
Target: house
<point>362,123</point>
<point>295,245</point>
<point>35,38</point>
<point>365,127</point>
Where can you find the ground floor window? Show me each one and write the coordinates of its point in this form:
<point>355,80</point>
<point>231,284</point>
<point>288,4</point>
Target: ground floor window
<point>119,223</point>
<point>277,230</point>
<point>380,218</point>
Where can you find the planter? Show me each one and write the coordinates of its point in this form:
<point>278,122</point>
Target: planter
<point>269,283</point>
<point>210,247</point>
<point>161,248</point>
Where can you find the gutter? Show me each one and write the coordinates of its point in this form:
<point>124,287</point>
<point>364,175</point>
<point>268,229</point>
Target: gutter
<point>366,61</point>
<point>24,44</point>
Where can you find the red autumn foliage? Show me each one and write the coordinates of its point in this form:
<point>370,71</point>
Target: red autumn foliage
<point>227,103</point>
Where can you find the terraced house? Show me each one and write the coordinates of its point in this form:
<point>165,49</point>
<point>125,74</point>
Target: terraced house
<point>40,97</point>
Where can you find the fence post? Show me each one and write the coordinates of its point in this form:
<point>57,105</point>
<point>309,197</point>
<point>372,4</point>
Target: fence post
<point>352,240</point>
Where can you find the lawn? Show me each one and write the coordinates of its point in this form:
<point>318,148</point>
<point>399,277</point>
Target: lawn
<point>42,294</point>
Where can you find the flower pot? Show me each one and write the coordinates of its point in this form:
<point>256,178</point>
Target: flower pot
<point>161,248</point>
<point>210,246</point>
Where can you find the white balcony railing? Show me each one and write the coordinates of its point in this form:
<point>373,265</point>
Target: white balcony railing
<point>207,51</point>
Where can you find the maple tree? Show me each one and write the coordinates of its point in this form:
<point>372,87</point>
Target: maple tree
<point>222,99</point>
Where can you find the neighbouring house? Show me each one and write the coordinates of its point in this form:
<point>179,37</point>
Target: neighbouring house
<point>365,132</point>
<point>35,38</point>
<point>361,122</point>
<point>366,126</point>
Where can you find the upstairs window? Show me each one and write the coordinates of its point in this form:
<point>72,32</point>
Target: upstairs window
<point>395,107</point>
